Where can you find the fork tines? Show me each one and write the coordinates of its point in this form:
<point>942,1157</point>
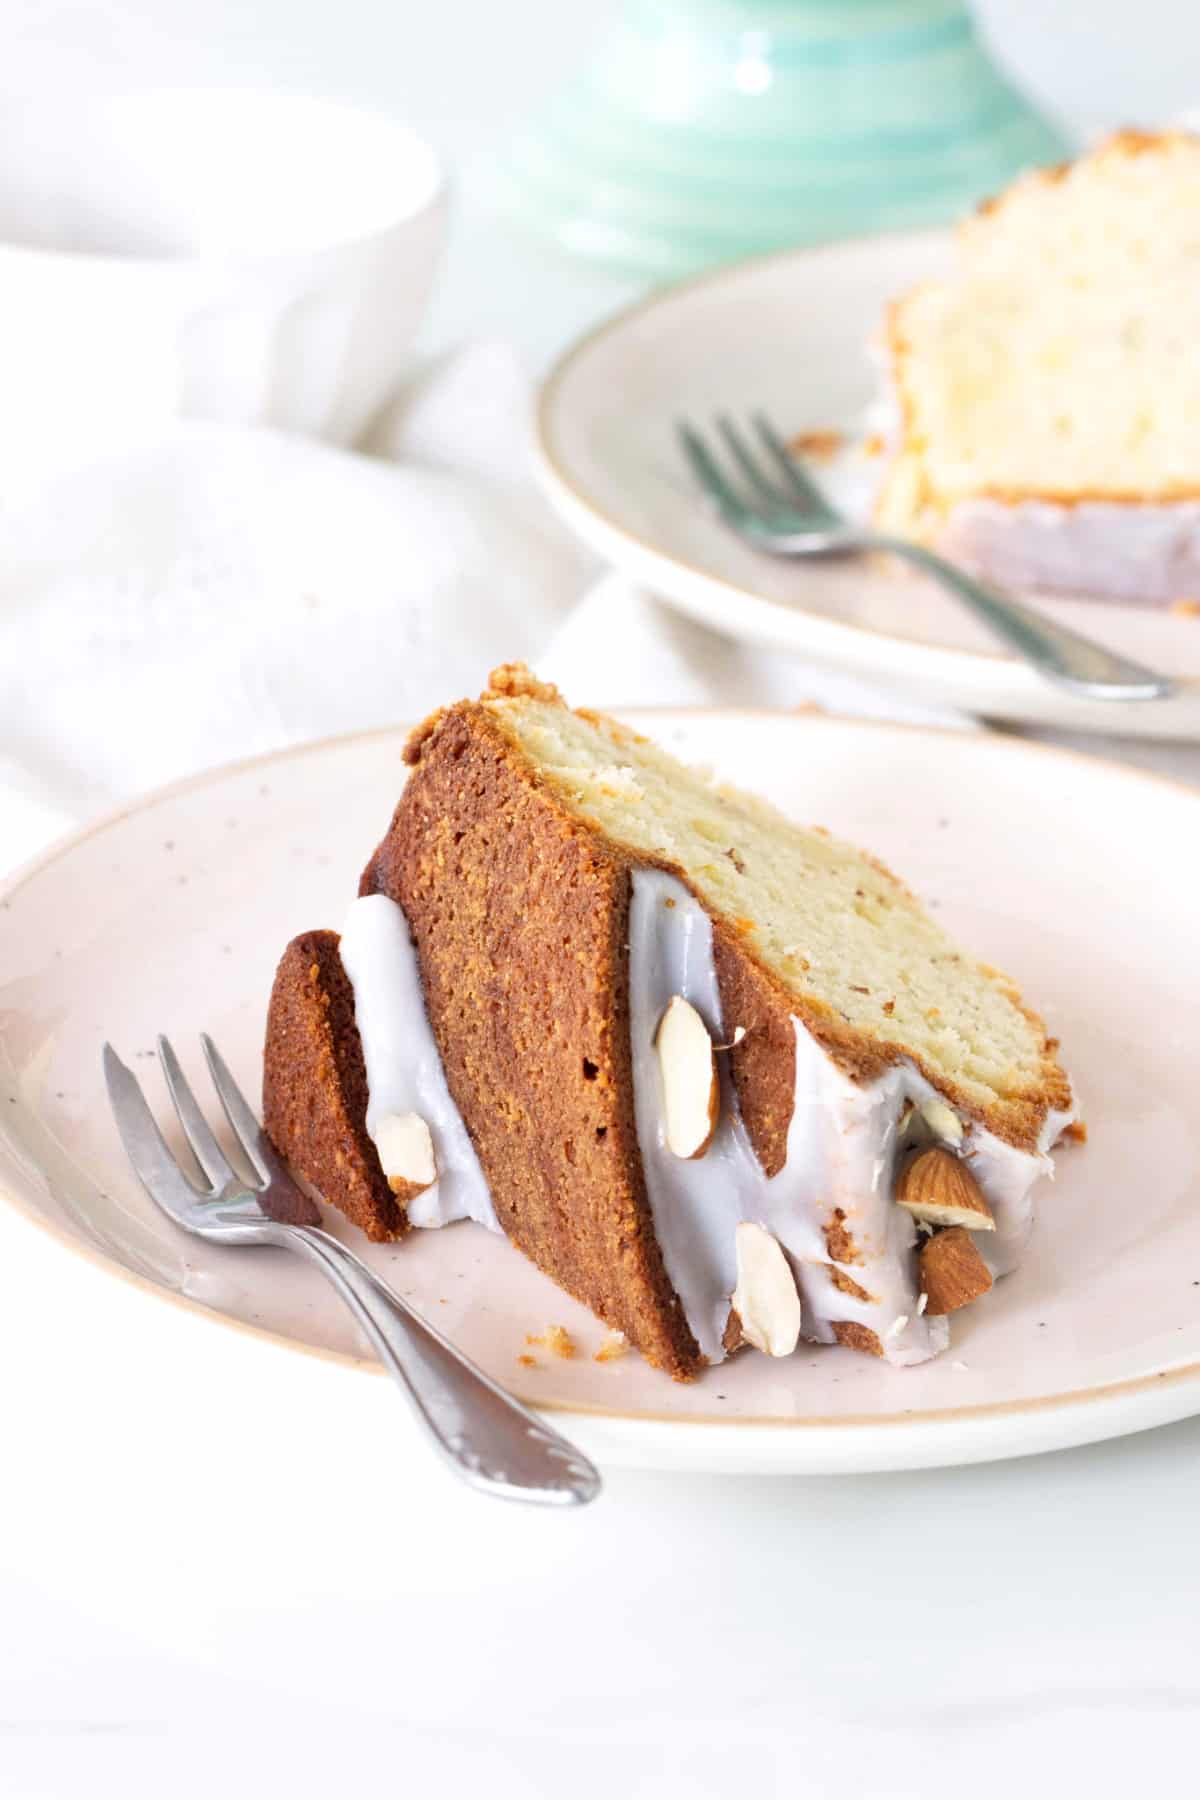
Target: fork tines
<point>773,484</point>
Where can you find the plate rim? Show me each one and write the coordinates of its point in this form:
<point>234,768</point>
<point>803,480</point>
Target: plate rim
<point>1074,1405</point>
<point>841,640</point>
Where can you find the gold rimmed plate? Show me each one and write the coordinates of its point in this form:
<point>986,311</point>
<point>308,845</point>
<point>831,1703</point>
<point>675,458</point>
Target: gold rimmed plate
<point>1074,875</point>
<point>789,333</point>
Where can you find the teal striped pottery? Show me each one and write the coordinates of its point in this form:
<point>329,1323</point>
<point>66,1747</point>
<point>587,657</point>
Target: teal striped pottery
<point>711,129</point>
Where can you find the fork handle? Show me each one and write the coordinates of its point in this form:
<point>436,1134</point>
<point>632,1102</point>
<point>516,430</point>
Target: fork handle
<point>1074,662</point>
<point>489,1438</point>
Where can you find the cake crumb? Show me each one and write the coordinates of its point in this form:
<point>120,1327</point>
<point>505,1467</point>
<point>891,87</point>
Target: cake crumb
<point>839,1242</point>
<point>614,1345</point>
<point>874,445</point>
<point>1076,1132</point>
<point>846,1284</point>
<point>515,680</point>
<point>527,1362</point>
<point>1186,609</point>
<point>557,1339</point>
<point>820,444</point>
<point>889,1007</point>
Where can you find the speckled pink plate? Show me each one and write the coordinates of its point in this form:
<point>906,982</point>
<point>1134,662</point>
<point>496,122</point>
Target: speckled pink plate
<point>1076,876</point>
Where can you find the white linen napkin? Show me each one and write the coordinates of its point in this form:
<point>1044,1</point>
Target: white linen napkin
<point>209,592</point>
<point>619,646</point>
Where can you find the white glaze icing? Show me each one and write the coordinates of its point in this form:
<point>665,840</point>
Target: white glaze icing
<point>1142,552</point>
<point>1007,1176</point>
<point>842,1145</point>
<point>404,1067</point>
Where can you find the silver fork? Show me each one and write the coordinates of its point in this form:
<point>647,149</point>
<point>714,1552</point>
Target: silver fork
<point>777,508</point>
<point>490,1439</point>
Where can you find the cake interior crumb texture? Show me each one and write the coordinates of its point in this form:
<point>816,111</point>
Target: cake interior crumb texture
<point>1060,359</point>
<point>851,945</point>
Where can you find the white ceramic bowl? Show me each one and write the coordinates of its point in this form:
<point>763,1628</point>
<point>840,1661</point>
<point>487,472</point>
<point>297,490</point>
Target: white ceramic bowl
<point>239,256</point>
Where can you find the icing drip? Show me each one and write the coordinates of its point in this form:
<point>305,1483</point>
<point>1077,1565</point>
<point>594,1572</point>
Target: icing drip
<point>842,1146</point>
<point>1141,551</point>
<point>1007,1176</point>
<point>404,1067</point>
<point>697,1205</point>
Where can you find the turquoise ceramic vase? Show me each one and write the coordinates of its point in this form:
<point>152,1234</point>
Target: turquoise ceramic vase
<point>712,129</point>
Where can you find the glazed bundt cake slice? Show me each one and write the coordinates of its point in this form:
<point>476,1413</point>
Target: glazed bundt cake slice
<point>722,1078</point>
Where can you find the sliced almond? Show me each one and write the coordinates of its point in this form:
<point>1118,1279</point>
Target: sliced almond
<point>943,1121</point>
<point>952,1271</point>
<point>691,1094</point>
<point>765,1298</point>
<point>405,1149</point>
<point>939,1189</point>
<point>932,1118</point>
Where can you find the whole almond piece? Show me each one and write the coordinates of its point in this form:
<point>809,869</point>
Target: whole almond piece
<point>691,1092</point>
<point>952,1271</point>
<point>405,1148</point>
<point>939,1189</point>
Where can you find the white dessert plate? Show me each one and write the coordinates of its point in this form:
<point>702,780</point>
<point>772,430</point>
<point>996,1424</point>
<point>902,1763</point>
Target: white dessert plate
<point>789,333</point>
<point>1077,877</point>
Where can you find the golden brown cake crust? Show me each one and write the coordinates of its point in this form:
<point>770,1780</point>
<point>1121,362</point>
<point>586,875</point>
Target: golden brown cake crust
<point>520,917</point>
<point>315,1086</point>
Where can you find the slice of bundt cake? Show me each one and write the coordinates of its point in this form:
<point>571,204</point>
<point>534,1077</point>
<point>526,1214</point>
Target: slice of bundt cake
<point>720,1077</point>
<point>1047,390</point>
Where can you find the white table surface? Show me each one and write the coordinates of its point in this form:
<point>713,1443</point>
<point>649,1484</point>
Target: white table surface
<point>226,1569</point>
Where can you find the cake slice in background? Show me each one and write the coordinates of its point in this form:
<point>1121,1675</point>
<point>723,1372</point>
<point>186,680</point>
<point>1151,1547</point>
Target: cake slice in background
<point>1047,392</point>
<point>722,1078</point>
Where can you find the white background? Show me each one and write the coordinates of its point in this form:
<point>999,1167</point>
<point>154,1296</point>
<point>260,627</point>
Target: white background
<point>467,71</point>
<point>229,1570</point>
